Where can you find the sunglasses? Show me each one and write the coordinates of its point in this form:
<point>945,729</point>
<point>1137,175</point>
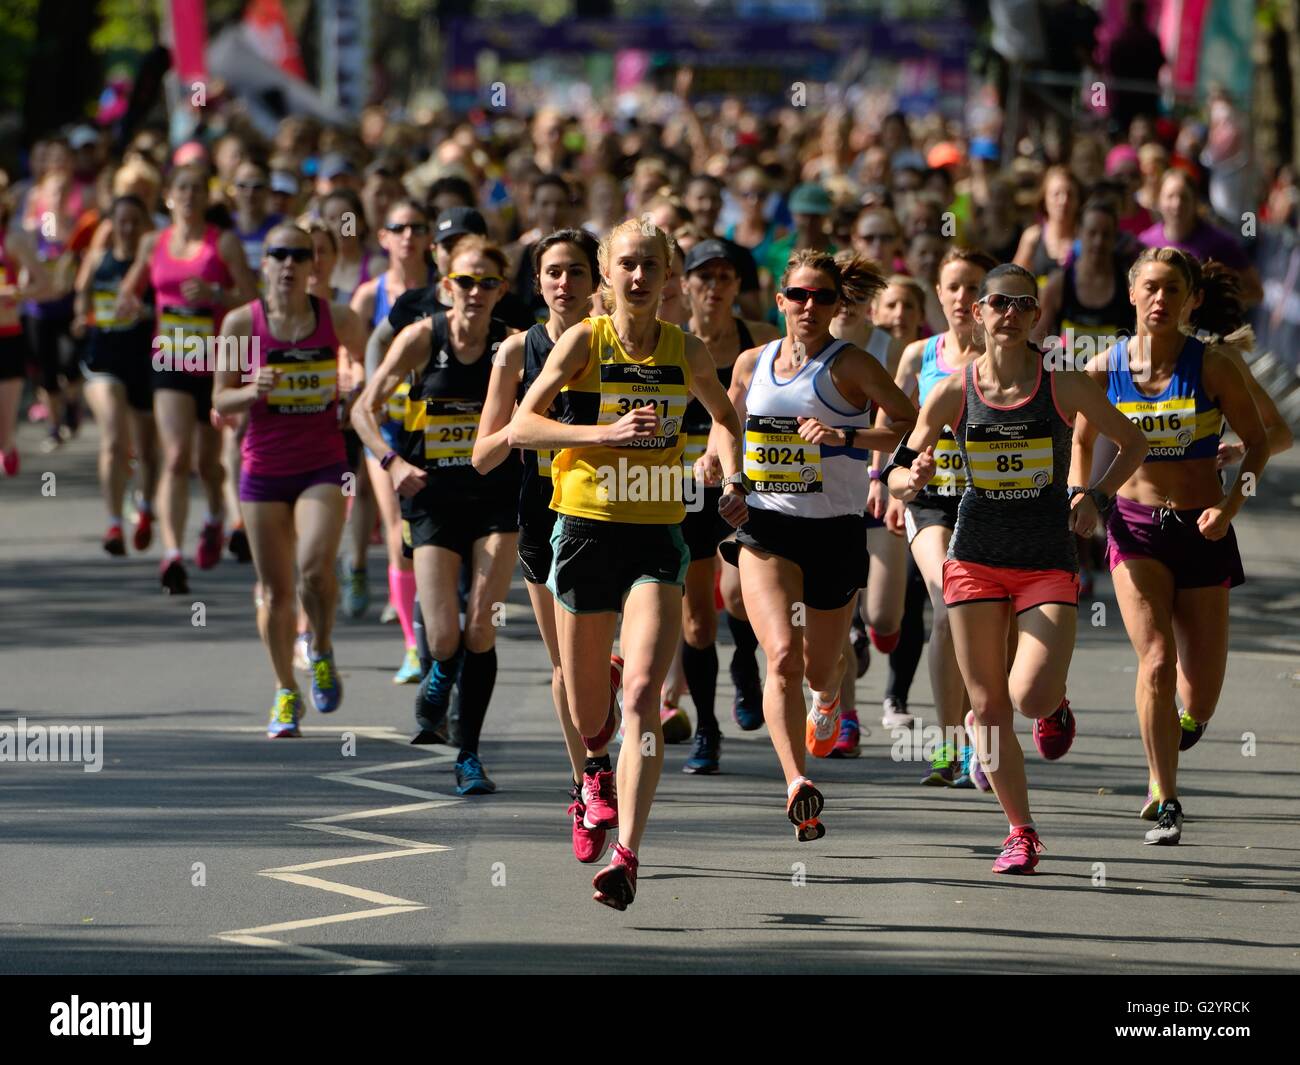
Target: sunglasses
<point>1001,303</point>
<point>418,229</point>
<point>468,281</point>
<point>298,255</point>
<point>823,297</point>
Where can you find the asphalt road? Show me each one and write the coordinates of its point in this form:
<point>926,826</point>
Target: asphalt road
<point>202,847</point>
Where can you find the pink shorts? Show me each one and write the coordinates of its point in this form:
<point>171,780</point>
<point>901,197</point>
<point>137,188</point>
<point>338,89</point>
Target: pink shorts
<point>971,582</point>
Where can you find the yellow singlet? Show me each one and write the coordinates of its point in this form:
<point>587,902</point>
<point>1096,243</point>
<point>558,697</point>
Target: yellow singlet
<point>639,484</point>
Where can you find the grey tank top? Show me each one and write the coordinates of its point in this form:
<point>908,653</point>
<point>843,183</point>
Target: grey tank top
<point>1015,510</point>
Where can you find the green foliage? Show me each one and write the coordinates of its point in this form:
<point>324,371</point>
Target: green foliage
<point>17,41</point>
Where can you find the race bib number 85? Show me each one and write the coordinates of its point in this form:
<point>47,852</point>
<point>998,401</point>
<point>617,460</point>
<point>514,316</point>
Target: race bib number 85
<point>1011,460</point>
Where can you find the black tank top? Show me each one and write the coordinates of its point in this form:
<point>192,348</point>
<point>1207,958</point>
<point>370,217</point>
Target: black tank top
<point>443,412</point>
<point>698,420</point>
<point>1115,318</point>
<point>1015,510</point>
<point>108,334</point>
<point>535,488</point>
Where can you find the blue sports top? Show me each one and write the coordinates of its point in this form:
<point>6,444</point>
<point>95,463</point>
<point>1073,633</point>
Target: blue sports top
<point>1183,421</point>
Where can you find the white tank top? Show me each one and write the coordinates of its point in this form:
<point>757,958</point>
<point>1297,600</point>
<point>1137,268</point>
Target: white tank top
<point>878,345</point>
<point>790,475</point>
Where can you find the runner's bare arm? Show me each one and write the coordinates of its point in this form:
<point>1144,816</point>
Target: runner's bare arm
<point>492,444</point>
<point>409,351</point>
<point>942,407</point>
<point>231,392</point>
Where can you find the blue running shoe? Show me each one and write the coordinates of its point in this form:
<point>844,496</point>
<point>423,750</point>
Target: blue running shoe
<point>963,778</point>
<point>326,687</point>
<point>472,778</point>
<point>434,696</point>
<point>410,673</point>
<point>285,715</point>
<point>704,755</point>
<point>356,593</point>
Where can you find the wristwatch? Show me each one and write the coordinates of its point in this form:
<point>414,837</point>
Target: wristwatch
<point>387,460</point>
<point>739,480</point>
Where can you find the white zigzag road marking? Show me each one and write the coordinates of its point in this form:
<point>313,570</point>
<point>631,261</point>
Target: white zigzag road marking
<point>386,905</point>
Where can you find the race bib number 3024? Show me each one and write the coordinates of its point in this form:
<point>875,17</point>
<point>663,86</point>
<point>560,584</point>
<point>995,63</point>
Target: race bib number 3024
<point>778,459</point>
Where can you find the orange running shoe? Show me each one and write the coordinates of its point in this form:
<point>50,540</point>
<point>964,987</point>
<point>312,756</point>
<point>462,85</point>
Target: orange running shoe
<point>823,729</point>
<point>803,803</point>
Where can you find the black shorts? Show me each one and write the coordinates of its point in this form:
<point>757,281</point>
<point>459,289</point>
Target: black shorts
<point>457,524</point>
<point>926,510</point>
<point>705,528</point>
<point>831,552</point>
<point>535,551</point>
<point>14,355</point>
<point>596,563</point>
<point>55,349</point>
<point>192,384</point>
<point>353,449</point>
<point>126,359</point>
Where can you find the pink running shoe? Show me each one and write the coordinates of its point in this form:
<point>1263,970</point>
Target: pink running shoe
<point>211,539</point>
<point>1019,852</point>
<point>616,884</point>
<point>977,775</point>
<point>1054,733</point>
<point>600,798</point>
<point>589,844</point>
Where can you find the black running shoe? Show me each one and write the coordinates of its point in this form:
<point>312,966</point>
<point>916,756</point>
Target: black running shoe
<point>175,580</point>
<point>237,545</point>
<point>1169,824</point>
<point>704,755</point>
<point>1190,732</point>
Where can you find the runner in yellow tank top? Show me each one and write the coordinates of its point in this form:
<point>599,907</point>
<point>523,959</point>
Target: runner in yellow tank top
<point>623,382</point>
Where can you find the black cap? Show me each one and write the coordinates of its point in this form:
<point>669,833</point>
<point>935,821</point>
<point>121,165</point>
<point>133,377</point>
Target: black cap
<point>456,222</point>
<point>706,250</point>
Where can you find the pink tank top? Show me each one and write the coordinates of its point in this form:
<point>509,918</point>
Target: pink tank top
<point>294,428</point>
<point>178,319</point>
<point>10,310</point>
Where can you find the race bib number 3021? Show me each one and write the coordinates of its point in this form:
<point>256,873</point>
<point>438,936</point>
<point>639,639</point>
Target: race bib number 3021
<point>778,459</point>
<point>1010,460</point>
<point>626,386</point>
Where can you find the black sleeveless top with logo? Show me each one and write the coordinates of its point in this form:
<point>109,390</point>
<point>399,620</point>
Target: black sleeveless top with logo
<point>535,489</point>
<point>698,422</point>
<point>1015,511</point>
<point>110,340</point>
<point>441,424</point>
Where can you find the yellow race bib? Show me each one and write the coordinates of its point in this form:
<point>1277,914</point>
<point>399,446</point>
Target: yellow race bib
<point>450,426</point>
<point>949,467</point>
<point>778,459</point>
<point>625,386</point>
<point>103,306</point>
<point>1010,460</point>
<point>308,381</point>
<point>696,444</point>
<point>1168,424</point>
